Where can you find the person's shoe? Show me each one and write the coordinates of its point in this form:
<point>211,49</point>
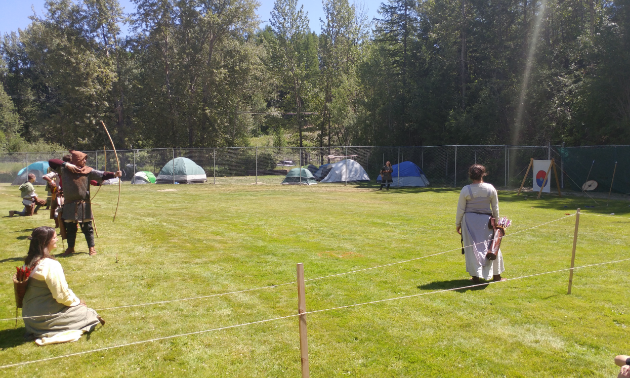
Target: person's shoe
<point>497,278</point>
<point>475,279</point>
<point>68,251</point>
<point>381,188</point>
<point>92,251</point>
<point>11,213</point>
<point>101,320</point>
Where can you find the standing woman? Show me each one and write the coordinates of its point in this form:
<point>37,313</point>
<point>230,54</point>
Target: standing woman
<point>50,302</point>
<point>477,203</point>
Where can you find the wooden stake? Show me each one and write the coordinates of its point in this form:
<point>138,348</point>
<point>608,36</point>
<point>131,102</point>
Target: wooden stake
<point>555,172</point>
<point>301,311</point>
<point>575,236</point>
<point>545,180</point>
<point>531,162</point>
<point>611,184</point>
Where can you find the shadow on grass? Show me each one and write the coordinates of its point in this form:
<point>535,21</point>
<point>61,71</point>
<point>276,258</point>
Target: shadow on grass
<point>569,203</point>
<point>452,284</point>
<point>13,259</point>
<point>64,256</point>
<point>10,338</point>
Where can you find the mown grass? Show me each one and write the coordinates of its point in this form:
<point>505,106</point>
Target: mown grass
<point>197,240</point>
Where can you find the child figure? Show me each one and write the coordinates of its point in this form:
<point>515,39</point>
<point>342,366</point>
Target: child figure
<point>29,198</point>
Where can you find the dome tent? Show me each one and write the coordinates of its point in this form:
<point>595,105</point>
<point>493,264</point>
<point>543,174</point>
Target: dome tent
<point>410,175</point>
<point>322,172</point>
<point>39,168</point>
<point>181,170</point>
<point>113,181</point>
<point>346,170</point>
<point>143,177</point>
<point>312,168</point>
<point>299,176</point>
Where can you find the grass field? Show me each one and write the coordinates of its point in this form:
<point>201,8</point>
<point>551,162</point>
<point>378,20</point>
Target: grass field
<point>199,240</point>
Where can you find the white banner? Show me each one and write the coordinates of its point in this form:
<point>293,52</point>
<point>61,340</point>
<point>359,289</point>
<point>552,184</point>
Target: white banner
<point>540,171</point>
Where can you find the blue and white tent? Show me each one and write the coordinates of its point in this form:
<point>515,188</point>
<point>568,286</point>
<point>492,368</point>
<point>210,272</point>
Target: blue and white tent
<point>39,168</point>
<point>410,175</point>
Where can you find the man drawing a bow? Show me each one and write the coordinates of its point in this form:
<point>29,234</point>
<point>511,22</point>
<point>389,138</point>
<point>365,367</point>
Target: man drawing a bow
<point>77,209</point>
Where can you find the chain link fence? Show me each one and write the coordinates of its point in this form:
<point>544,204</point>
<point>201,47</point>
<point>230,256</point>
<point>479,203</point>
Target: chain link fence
<point>444,166</point>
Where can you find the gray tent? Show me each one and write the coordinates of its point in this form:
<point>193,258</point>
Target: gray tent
<point>298,176</point>
<point>181,170</point>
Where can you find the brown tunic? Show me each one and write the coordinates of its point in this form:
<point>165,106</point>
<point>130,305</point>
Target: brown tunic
<point>76,191</point>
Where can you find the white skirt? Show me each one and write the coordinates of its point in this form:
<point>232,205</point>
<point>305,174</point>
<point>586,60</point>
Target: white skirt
<point>477,238</point>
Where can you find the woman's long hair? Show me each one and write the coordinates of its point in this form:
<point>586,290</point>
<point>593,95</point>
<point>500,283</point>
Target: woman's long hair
<point>38,249</point>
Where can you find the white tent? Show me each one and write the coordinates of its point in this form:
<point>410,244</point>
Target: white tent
<point>113,181</point>
<point>346,170</point>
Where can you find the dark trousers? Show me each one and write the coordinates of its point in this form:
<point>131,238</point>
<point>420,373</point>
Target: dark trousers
<point>386,182</point>
<point>86,228</point>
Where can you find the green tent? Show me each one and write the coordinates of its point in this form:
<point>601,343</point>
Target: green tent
<point>298,176</point>
<point>185,170</point>
<point>143,177</point>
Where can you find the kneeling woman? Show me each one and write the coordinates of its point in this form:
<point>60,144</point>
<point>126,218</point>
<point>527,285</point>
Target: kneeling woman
<point>477,203</point>
<point>49,306</point>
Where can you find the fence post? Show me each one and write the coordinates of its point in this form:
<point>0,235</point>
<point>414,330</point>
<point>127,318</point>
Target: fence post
<point>422,150</point>
<point>455,170</point>
<point>398,167</point>
<point>346,183</point>
<point>96,158</point>
<point>134,164</point>
<point>214,166</point>
<point>562,166</point>
<point>256,165</point>
<point>26,163</point>
<point>548,150</point>
<point>575,236</point>
<point>173,165</point>
<point>505,162</point>
<point>301,311</point>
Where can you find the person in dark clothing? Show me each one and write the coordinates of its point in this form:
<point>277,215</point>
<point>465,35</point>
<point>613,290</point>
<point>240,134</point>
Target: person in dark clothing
<point>386,175</point>
<point>77,209</point>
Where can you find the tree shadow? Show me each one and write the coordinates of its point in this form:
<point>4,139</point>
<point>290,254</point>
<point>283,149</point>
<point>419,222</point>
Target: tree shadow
<point>569,202</point>
<point>465,285</point>
<point>10,338</point>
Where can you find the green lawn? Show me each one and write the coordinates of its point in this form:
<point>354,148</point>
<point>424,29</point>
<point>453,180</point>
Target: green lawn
<point>201,240</point>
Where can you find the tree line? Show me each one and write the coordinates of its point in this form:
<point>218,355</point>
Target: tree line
<point>203,73</point>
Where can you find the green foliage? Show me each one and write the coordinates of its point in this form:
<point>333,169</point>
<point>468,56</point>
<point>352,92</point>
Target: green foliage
<point>201,73</point>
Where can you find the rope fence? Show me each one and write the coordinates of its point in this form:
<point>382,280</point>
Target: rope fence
<point>306,280</point>
<point>305,313</point>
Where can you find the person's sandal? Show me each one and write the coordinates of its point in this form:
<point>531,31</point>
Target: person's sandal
<point>68,252</point>
<point>101,320</point>
<point>92,251</point>
<point>497,278</point>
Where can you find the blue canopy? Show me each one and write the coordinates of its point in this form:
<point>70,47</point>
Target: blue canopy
<point>41,166</point>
